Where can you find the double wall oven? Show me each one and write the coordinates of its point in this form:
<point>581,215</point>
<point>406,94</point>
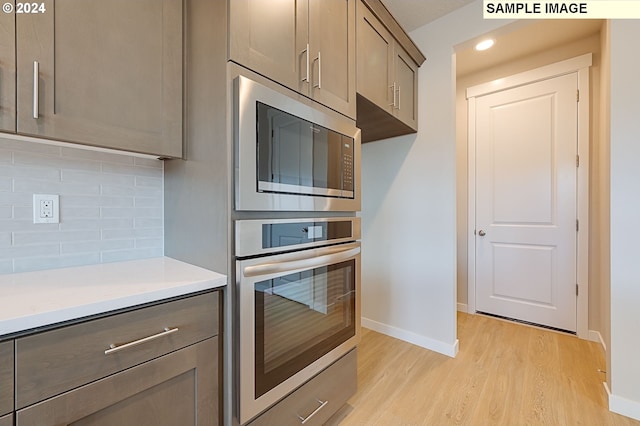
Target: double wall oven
<point>297,249</point>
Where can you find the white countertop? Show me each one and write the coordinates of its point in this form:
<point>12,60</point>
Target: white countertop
<point>36,299</point>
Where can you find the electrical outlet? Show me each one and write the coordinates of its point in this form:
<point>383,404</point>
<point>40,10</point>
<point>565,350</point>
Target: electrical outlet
<point>46,208</point>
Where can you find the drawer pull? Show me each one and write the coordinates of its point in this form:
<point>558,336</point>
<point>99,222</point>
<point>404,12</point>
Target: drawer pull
<point>115,348</point>
<point>303,420</point>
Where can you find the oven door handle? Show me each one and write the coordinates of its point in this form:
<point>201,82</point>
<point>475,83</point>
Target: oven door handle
<point>321,257</point>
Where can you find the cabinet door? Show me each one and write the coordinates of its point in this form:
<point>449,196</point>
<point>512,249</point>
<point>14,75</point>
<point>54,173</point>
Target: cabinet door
<point>6,377</point>
<point>180,388</point>
<point>110,74</point>
<point>406,79</point>
<point>332,50</point>
<point>270,37</point>
<point>374,60</point>
<point>8,70</point>
<point>6,420</point>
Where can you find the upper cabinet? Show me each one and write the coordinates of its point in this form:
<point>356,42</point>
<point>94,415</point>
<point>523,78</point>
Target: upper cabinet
<point>308,46</point>
<point>387,79</point>
<point>7,71</point>
<point>107,73</point>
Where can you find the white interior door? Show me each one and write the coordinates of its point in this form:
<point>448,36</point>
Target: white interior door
<point>526,194</point>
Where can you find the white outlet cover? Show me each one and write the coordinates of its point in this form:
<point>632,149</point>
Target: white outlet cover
<point>53,214</point>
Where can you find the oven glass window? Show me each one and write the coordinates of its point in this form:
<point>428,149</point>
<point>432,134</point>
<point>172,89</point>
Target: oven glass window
<point>301,154</point>
<point>299,318</point>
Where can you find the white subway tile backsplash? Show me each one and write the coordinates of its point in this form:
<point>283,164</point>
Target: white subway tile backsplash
<point>25,238</point>
<point>111,207</point>
<point>6,266</point>
<point>67,213</point>
<point>98,246</point>
<point>51,262</point>
<point>5,184</point>
<point>43,160</point>
<point>105,157</point>
<point>6,212</point>
<point>120,255</point>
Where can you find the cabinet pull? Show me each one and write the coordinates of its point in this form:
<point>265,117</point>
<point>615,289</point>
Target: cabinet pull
<point>393,94</point>
<point>36,75</point>
<point>303,420</point>
<point>306,78</point>
<point>398,98</point>
<point>115,348</point>
<point>319,59</point>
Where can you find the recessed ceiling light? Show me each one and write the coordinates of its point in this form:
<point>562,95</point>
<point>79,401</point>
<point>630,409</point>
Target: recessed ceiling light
<point>485,44</point>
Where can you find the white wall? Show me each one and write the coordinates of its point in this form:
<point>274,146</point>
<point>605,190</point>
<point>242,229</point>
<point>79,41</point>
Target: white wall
<point>625,212</point>
<point>409,202</point>
<point>110,207</point>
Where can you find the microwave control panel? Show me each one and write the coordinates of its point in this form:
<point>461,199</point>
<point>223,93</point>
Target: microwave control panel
<point>347,166</point>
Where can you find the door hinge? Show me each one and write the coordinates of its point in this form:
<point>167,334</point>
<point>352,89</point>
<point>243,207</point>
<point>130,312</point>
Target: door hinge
<point>577,289</point>
<point>577,225</point>
<point>577,161</point>
<point>578,95</point>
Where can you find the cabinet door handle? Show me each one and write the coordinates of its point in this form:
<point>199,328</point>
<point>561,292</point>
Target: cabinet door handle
<point>319,59</point>
<point>399,98</point>
<point>36,75</point>
<point>303,420</point>
<point>115,348</point>
<point>306,51</point>
<point>393,94</point>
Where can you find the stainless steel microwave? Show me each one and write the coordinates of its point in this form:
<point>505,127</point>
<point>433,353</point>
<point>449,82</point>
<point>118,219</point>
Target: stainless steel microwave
<point>291,155</point>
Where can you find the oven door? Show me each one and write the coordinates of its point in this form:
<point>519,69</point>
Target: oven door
<point>298,313</point>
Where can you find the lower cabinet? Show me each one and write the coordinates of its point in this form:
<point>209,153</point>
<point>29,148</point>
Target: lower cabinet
<point>317,400</point>
<point>158,365</point>
<point>176,389</point>
<point>6,381</point>
<point>6,420</point>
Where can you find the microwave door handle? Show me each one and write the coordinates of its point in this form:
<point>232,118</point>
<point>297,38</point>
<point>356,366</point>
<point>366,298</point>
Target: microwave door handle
<point>312,262</point>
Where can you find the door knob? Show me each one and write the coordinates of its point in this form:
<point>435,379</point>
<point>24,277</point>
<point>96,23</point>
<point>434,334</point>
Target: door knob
<point>482,233</point>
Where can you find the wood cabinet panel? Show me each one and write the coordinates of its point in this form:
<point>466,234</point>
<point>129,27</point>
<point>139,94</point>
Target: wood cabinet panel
<point>110,74</point>
<point>332,50</point>
<point>387,81</point>
<point>55,361</point>
<point>375,59</point>
<point>178,388</point>
<point>7,70</point>
<point>330,389</point>
<point>6,420</point>
<point>265,36</point>
<point>6,377</point>
<point>406,77</point>
<point>307,46</point>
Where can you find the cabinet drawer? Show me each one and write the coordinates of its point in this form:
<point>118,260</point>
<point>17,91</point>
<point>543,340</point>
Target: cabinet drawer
<point>55,361</point>
<point>6,378</point>
<point>318,399</point>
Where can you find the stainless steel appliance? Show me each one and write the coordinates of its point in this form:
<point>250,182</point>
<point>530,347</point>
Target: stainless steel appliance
<point>298,285</point>
<point>291,155</point>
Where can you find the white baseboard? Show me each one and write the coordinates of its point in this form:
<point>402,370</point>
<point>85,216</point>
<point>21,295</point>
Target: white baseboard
<point>411,337</point>
<point>623,406</point>
<point>463,307</point>
<point>595,336</point>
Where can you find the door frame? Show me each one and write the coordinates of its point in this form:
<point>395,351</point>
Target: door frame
<point>579,65</point>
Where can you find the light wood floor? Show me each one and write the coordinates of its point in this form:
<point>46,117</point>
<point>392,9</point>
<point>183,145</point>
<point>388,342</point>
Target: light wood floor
<point>504,374</point>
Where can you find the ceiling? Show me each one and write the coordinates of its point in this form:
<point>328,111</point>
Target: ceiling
<point>522,39</point>
<point>513,41</point>
<point>412,14</point>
